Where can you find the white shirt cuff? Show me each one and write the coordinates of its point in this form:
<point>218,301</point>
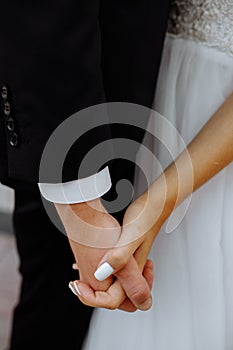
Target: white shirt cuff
<point>78,191</point>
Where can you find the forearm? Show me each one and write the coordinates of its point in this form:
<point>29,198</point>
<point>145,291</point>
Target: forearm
<point>209,152</point>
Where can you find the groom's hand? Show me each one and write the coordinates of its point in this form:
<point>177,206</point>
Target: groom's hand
<point>90,230</point>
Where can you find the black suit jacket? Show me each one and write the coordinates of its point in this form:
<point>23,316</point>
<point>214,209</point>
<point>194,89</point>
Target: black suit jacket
<point>58,57</point>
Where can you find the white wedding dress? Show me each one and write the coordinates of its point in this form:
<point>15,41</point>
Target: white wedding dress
<point>193,288</point>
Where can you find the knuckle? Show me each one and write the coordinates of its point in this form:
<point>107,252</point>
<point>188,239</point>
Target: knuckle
<point>84,302</point>
<point>112,306</point>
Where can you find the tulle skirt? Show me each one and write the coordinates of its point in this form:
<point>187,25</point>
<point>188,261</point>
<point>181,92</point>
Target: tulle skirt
<point>193,288</point>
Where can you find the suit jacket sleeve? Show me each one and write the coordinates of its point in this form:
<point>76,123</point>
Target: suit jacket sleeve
<point>50,62</point>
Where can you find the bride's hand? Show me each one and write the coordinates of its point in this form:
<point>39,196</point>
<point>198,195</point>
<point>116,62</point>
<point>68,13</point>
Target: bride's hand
<point>142,222</point>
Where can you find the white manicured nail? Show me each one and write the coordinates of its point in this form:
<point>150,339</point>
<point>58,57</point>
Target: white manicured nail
<point>72,288</point>
<point>75,266</point>
<point>76,288</point>
<point>104,271</point>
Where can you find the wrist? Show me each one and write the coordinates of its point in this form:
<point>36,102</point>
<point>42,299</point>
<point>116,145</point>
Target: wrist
<point>89,224</point>
<point>163,196</point>
<point>83,209</point>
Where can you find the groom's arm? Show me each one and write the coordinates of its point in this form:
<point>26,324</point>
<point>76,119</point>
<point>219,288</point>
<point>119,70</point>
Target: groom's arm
<point>120,86</point>
<point>84,72</point>
<point>75,80</point>
<point>51,70</point>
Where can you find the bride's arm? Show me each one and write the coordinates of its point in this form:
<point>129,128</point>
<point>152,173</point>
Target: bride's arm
<point>209,152</point>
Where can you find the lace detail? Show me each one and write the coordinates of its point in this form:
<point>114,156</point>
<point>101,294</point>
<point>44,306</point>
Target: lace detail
<point>207,21</point>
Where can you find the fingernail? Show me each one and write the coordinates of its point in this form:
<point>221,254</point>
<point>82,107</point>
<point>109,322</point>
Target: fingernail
<point>72,288</point>
<point>146,306</point>
<point>76,288</point>
<point>150,264</point>
<point>75,266</point>
<point>104,271</point>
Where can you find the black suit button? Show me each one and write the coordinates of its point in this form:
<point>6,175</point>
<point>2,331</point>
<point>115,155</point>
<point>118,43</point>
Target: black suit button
<point>4,92</point>
<point>10,124</point>
<point>13,139</point>
<point>7,108</point>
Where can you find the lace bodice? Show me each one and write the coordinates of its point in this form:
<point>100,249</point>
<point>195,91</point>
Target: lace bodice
<point>207,21</point>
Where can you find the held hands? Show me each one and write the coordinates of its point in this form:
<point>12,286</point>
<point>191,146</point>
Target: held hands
<point>119,277</point>
<point>86,225</point>
<point>127,261</point>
